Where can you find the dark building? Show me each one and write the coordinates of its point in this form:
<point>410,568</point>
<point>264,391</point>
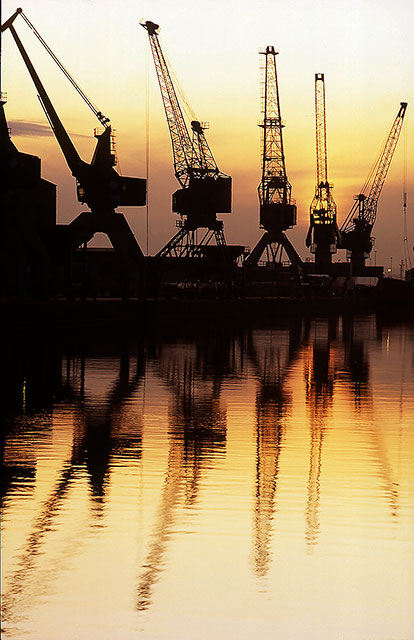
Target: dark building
<point>28,221</point>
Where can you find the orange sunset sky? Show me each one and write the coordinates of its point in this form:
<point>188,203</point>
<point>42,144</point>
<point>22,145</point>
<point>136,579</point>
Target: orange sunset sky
<point>364,48</point>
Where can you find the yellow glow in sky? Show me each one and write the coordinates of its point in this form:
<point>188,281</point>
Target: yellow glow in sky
<point>365,50</point>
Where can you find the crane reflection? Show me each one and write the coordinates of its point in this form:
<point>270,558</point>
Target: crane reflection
<point>100,432</point>
<point>197,435</point>
<point>320,367</point>
<point>272,357</point>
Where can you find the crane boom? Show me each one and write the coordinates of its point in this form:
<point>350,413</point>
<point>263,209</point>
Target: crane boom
<point>102,119</point>
<point>68,149</point>
<point>274,187</point>
<point>184,154</point>
<point>355,232</point>
<point>323,231</point>
<point>320,118</point>
<point>366,203</point>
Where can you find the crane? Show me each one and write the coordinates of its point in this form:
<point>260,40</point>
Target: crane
<point>323,232</point>
<point>99,185</point>
<point>355,232</point>
<point>277,209</point>
<point>205,191</point>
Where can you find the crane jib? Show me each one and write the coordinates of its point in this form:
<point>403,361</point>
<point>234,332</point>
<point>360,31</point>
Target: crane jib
<point>367,201</point>
<point>100,116</point>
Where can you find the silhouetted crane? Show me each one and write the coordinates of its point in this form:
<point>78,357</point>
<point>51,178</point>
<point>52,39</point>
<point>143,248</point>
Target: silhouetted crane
<point>277,209</point>
<point>98,184</point>
<point>323,232</point>
<point>355,232</point>
<point>205,191</point>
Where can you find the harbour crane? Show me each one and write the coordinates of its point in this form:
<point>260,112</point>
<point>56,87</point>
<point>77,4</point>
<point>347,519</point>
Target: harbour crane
<point>277,209</point>
<point>355,232</point>
<point>99,185</point>
<point>323,234</point>
<point>205,190</point>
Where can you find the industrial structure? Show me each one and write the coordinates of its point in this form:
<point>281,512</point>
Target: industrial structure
<point>28,219</point>
<point>355,232</point>
<point>322,237</point>
<point>43,259</point>
<point>277,209</point>
<point>205,190</point>
<point>99,185</point>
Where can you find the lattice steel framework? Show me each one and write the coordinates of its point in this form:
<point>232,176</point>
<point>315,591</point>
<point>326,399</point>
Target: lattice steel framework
<point>323,231</point>
<point>208,165</point>
<point>277,210</point>
<point>205,190</point>
<point>274,186</point>
<point>323,207</point>
<point>366,202</point>
<point>185,158</point>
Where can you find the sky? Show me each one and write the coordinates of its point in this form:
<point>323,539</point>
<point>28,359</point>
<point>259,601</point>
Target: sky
<point>364,48</point>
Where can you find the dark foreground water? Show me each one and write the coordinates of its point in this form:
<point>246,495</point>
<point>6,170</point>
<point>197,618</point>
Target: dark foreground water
<point>257,484</point>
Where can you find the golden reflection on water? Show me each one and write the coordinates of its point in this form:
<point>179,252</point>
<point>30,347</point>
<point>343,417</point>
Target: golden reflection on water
<point>257,484</point>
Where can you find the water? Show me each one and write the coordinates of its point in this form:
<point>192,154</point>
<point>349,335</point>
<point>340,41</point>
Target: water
<point>248,485</point>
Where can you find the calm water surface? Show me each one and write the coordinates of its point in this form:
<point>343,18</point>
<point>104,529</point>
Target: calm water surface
<point>246,485</point>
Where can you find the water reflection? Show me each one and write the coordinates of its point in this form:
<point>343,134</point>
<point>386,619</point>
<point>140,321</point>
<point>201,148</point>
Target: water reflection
<point>101,430</point>
<point>358,365</point>
<point>272,360</point>
<point>293,429</point>
<point>193,374</point>
<point>320,372</point>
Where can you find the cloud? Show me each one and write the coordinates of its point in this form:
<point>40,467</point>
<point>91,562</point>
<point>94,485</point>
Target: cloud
<point>23,128</point>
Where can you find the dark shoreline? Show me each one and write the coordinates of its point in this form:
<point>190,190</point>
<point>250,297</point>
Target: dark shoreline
<point>104,315</point>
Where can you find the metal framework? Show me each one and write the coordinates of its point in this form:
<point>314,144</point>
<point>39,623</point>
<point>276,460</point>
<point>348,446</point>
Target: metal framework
<point>356,228</point>
<point>323,232</point>
<point>277,209</point>
<point>205,191</point>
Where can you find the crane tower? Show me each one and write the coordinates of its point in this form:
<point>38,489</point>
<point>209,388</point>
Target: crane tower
<point>277,209</point>
<point>205,191</point>
<point>356,228</point>
<point>323,233</point>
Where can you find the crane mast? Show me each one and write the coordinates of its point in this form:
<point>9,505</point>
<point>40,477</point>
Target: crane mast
<point>277,209</point>
<point>356,228</point>
<point>274,187</point>
<point>323,231</point>
<point>205,191</point>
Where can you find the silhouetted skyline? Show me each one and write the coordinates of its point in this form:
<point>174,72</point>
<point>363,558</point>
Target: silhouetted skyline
<point>218,70</point>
